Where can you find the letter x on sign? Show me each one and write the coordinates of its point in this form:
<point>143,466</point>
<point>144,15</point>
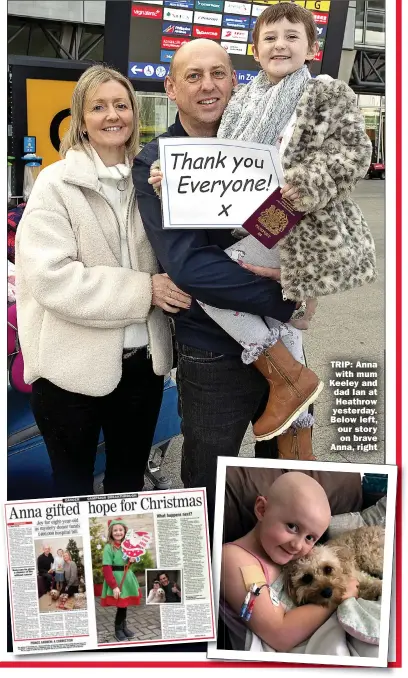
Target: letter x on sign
<point>224,210</point>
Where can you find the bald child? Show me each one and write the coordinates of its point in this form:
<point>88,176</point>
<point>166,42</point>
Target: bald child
<point>290,520</point>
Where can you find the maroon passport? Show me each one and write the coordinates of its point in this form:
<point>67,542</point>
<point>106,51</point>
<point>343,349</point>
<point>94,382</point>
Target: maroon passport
<point>272,220</point>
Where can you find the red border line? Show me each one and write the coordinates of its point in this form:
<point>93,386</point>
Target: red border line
<point>398,422</point>
<point>398,339</point>
<point>178,664</point>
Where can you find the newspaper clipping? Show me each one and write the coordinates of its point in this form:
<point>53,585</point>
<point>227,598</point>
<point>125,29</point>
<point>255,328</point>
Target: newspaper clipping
<point>109,570</point>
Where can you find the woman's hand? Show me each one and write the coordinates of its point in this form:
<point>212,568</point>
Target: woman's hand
<point>352,589</point>
<point>264,271</point>
<point>156,177</point>
<point>289,192</point>
<point>116,592</point>
<point>167,295</point>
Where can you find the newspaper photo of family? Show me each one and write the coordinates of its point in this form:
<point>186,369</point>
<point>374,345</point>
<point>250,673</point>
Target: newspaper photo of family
<point>164,587</point>
<point>60,574</point>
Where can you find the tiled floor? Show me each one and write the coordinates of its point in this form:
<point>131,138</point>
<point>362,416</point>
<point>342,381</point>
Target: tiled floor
<point>143,619</point>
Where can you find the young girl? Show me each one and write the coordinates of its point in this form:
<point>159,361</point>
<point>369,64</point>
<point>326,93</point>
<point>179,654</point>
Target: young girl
<point>120,588</point>
<point>290,519</point>
<point>156,594</point>
<point>324,150</point>
<point>58,567</point>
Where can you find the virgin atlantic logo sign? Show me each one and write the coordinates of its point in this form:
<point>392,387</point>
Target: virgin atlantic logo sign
<point>206,32</point>
<point>145,12</point>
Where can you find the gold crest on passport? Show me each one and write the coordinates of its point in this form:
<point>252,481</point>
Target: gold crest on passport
<point>274,219</point>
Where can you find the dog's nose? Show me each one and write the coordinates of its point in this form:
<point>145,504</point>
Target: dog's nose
<point>327,592</point>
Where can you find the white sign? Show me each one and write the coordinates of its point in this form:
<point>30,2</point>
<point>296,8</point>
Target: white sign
<point>234,34</point>
<point>215,183</point>
<point>207,19</point>
<point>242,8</point>
<point>183,15</point>
<point>234,47</point>
<point>257,10</point>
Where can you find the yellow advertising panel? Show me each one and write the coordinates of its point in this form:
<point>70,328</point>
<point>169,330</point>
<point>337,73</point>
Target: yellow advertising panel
<point>48,115</point>
<point>276,2</point>
<point>318,5</point>
<point>250,50</point>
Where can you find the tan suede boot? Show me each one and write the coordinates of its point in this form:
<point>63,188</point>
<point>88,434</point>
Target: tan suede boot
<point>296,443</point>
<point>293,387</point>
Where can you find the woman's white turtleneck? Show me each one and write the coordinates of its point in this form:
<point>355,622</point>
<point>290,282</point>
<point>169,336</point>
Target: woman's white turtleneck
<point>135,335</point>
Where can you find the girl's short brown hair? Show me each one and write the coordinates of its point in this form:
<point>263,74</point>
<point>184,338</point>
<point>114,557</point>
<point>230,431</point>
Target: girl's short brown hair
<point>293,13</point>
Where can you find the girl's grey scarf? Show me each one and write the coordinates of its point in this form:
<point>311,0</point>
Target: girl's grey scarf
<point>260,111</point>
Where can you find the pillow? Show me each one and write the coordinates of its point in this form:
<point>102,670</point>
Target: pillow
<point>373,515</point>
<point>361,619</point>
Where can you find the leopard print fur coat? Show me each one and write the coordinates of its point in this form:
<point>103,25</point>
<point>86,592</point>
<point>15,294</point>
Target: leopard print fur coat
<point>331,249</point>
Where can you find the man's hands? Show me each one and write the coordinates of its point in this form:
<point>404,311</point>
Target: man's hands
<point>274,273</point>
<point>263,271</point>
<point>167,295</point>
<point>156,177</point>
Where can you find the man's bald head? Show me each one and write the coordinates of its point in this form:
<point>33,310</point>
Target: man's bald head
<point>197,49</point>
<point>200,83</point>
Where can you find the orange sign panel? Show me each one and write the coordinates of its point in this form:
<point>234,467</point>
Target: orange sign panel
<point>48,115</point>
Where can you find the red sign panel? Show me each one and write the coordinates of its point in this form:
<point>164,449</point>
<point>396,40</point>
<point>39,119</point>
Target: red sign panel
<point>319,55</point>
<point>172,43</point>
<point>321,18</point>
<point>147,11</point>
<point>211,32</point>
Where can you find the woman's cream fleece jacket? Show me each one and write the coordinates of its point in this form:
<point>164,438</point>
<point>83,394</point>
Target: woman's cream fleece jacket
<point>74,299</point>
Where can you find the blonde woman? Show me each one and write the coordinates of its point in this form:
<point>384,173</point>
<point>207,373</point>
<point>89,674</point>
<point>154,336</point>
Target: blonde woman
<point>71,581</point>
<point>95,341</point>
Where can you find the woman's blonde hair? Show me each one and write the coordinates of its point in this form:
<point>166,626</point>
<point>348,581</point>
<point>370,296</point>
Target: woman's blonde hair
<point>89,81</point>
<point>68,554</point>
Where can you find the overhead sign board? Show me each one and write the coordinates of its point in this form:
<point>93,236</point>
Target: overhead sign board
<point>228,22</point>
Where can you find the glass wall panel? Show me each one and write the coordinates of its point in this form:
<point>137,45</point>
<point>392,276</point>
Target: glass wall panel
<point>373,110</point>
<point>153,115</point>
<point>359,29</point>
<point>375,29</point>
<point>370,23</point>
<point>376,4</point>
